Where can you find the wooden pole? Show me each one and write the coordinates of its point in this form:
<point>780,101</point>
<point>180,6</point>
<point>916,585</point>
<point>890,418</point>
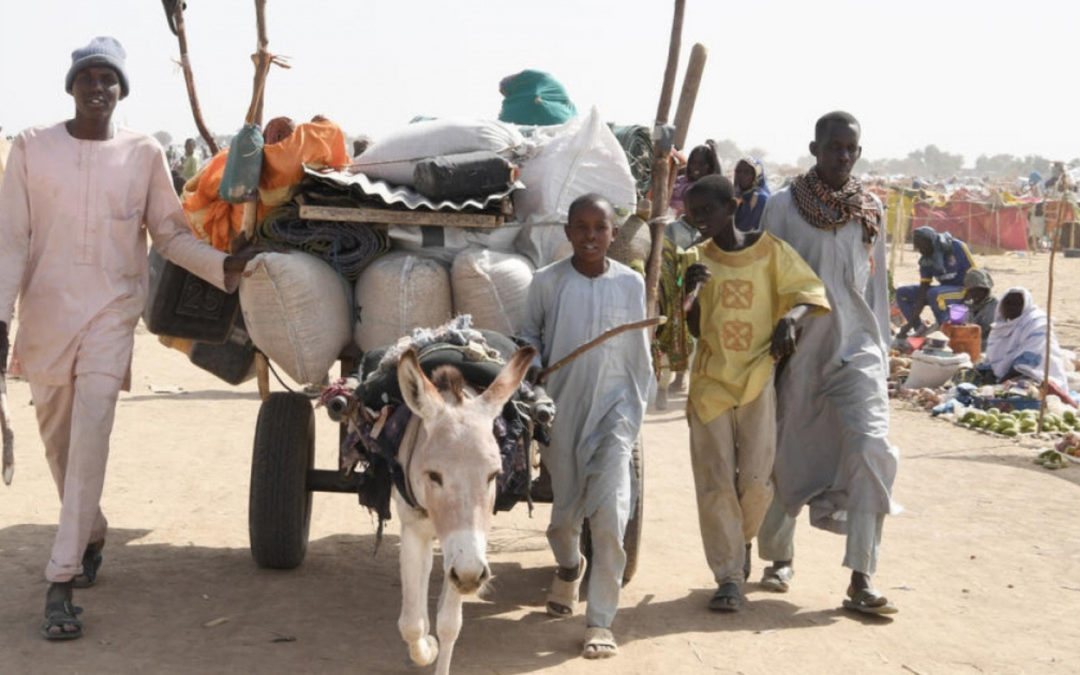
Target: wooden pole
<point>660,168</point>
<point>688,96</point>
<point>1045,388</point>
<point>664,107</point>
<point>262,60</point>
<point>189,79</point>
<point>1050,298</point>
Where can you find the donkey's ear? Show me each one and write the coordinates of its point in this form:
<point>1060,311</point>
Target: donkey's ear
<point>419,393</point>
<point>495,397</point>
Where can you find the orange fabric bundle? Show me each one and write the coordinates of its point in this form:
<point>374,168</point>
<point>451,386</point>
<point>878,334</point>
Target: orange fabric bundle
<point>216,221</point>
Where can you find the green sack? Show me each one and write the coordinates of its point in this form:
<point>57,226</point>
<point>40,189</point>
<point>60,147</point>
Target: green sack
<point>533,97</point>
<point>243,167</point>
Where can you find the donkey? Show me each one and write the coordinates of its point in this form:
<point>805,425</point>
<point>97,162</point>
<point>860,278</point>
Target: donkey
<point>450,460</point>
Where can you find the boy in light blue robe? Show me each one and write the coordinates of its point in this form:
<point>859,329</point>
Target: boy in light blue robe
<point>601,398</point>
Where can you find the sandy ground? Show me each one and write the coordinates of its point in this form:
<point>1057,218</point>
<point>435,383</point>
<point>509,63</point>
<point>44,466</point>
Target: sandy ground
<point>984,563</point>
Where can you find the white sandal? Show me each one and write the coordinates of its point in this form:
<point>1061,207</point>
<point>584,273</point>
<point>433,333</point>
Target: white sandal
<point>777,579</point>
<point>599,644</point>
<point>563,595</point>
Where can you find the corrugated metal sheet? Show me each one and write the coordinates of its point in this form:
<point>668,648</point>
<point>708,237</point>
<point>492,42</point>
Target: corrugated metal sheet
<point>393,195</point>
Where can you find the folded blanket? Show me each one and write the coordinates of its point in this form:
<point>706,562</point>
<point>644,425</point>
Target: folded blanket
<point>348,247</point>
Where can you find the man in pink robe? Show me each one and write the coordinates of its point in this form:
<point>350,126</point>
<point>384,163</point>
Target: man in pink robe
<point>76,203</point>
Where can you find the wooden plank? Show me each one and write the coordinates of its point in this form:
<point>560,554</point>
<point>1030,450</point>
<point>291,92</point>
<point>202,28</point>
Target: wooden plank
<point>388,217</point>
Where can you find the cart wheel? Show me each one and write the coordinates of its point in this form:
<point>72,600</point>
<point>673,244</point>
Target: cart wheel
<point>632,536</point>
<point>279,507</point>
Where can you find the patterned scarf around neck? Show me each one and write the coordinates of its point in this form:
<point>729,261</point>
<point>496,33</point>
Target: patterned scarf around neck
<point>830,209</point>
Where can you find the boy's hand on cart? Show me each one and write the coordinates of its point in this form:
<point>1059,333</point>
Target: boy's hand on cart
<point>243,251</point>
<point>534,375</point>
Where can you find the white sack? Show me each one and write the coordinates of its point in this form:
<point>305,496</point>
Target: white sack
<point>393,157</point>
<point>544,243</point>
<point>298,311</point>
<point>928,370</point>
<point>574,158</point>
<point>444,243</point>
<point>399,292</point>
<point>492,287</point>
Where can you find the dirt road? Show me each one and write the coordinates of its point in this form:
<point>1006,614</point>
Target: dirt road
<point>984,563</point>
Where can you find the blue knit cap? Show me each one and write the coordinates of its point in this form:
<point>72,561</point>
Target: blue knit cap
<point>102,51</point>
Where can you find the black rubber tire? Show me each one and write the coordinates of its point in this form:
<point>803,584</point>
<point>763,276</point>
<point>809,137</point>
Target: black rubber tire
<point>279,505</point>
<point>632,536</point>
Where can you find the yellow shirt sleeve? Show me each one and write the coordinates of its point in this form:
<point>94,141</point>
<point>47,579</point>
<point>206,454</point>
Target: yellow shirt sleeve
<point>797,284</point>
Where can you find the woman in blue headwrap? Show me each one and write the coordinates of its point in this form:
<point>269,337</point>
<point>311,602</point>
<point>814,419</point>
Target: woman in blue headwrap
<point>752,193</point>
<point>944,259</point>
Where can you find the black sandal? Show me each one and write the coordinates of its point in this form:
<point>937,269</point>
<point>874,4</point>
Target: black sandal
<point>61,617</point>
<point>91,563</point>
<point>728,598</point>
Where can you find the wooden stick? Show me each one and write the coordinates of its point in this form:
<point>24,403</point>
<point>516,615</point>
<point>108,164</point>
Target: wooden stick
<point>660,168</point>
<point>604,337</point>
<point>688,96</point>
<point>262,375</point>
<point>390,217</point>
<point>250,219</point>
<point>189,79</point>
<point>1045,388</point>
<point>262,60</point>
<point>664,107</point>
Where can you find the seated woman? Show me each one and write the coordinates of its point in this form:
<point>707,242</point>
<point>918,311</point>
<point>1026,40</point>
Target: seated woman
<point>1017,344</point>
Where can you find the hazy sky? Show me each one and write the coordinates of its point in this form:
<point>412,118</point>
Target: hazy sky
<point>972,77</point>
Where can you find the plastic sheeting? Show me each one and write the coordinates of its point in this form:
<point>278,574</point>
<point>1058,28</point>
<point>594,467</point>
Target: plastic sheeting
<point>979,224</point>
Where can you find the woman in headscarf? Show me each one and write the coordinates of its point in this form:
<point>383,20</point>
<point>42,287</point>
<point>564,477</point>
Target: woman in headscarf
<point>702,161</point>
<point>752,193</point>
<point>673,345</point>
<point>944,259</point>
<point>1017,344</point>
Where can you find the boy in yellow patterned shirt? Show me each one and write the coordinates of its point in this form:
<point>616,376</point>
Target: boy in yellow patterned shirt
<point>754,289</point>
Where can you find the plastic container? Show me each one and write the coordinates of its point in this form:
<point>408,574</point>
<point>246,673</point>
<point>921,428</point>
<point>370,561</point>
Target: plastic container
<point>958,313</point>
<point>965,338</point>
<point>233,360</point>
<point>182,305</point>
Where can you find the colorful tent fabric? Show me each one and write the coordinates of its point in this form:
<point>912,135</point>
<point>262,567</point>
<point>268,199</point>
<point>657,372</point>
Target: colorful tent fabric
<point>980,224</point>
<point>534,97</point>
<point>217,222</point>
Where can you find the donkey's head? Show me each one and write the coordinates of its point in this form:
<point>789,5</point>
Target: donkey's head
<point>453,466</point>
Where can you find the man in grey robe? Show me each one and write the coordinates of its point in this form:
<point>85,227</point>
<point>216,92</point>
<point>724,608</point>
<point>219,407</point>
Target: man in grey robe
<point>833,452</point>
